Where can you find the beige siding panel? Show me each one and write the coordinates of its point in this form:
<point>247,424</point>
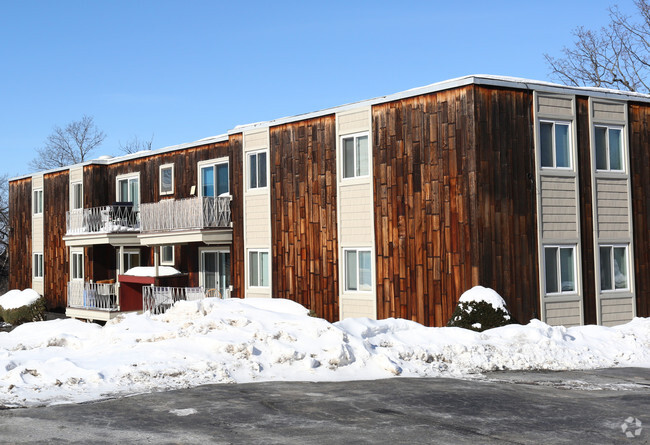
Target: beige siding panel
<point>354,122</point>
<point>37,182</point>
<point>609,112</point>
<point>356,215</point>
<point>555,106</point>
<point>258,226</point>
<point>559,212</point>
<point>256,140</point>
<point>563,313</point>
<point>38,286</point>
<point>76,174</point>
<point>257,293</point>
<point>612,209</point>
<point>37,234</point>
<point>615,311</point>
<point>357,308</point>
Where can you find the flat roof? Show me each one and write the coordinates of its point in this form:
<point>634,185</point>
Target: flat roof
<point>475,79</point>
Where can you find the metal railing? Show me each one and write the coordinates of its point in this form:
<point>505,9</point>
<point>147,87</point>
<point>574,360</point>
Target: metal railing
<point>189,213</point>
<point>97,296</point>
<point>104,219</point>
<point>157,299</point>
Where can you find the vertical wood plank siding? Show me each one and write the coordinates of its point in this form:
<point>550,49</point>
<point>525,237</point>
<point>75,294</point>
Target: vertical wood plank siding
<point>303,209</point>
<point>586,210</point>
<point>454,202</point>
<point>237,214</point>
<point>20,234</point>
<point>639,127</point>
<point>55,258</point>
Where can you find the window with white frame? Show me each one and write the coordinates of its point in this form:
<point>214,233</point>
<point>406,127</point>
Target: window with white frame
<point>77,265</point>
<point>613,267</point>
<point>166,173</point>
<point>258,268</point>
<point>77,196</point>
<point>358,270</point>
<point>128,189</point>
<point>38,202</point>
<point>130,257</point>
<point>560,269</point>
<point>38,265</point>
<point>555,144</point>
<point>167,255</point>
<point>214,179</point>
<point>609,148</point>
<point>257,169</point>
<point>354,155</point>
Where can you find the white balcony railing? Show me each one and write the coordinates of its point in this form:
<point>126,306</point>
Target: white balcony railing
<point>105,219</point>
<point>97,296</point>
<point>157,299</point>
<point>189,213</point>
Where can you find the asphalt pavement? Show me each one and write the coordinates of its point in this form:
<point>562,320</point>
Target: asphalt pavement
<point>573,407</point>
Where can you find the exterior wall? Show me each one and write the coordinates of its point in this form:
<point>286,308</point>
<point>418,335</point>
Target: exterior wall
<point>38,243</point>
<point>558,210</point>
<point>55,254</point>
<point>355,214</point>
<point>20,234</point>
<point>257,211</point>
<point>238,253</point>
<point>304,211</point>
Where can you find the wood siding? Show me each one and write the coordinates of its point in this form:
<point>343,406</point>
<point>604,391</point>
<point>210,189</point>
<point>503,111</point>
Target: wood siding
<point>20,234</point>
<point>235,143</point>
<point>55,256</point>
<point>639,127</point>
<point>303,209</point>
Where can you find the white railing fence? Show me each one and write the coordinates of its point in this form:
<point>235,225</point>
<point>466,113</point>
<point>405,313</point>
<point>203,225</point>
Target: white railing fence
<point>189,213</point>
<point>105,219</point>
<point>99,296</point>
<point>157,299</point>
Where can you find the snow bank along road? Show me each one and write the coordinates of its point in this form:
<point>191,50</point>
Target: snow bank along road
<point>257,340</point>
<point>551,407</point>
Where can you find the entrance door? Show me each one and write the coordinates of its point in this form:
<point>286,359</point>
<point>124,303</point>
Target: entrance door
<point>215,270</point>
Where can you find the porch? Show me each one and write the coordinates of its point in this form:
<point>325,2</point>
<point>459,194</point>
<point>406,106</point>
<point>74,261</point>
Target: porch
<point>116,224</point>
<point>186,214</point>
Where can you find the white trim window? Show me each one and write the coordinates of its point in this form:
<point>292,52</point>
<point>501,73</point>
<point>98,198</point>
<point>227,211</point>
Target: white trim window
<point>167,255</point>
<point>38,202</point>
<point>555,144</point>
<point>131,259</point>
<point>76,196</point>
<point>560,269</point>
<point>614,267</point>
<point>608,141</point>
<point>38,265</point>
<point>127,189</point>
<point>214,177</point>
<point>77,264</point>
<point>258,268</point>
<point>354,155</point>
<point>358,270</point>
<point>166,176</point>
<point>257,162</point>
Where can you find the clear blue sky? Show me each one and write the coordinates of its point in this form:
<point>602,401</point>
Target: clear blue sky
<point>185,70</point>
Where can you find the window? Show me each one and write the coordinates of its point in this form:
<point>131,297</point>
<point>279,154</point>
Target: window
<point>560,268</point>
<point>358,270</point>
<point>355,156</point>
<point>555,142</point>
<point>215,270</point>
<point>77,265</point>
<point>214,178</point>
<point>167,179</point>
<point>609,148</point>
<point>257,169</point>
<point>131,259</point>
<point>77,196</point>
<point>613,268</point>
<point>128,189</point>
<point>38,202</point>
<point>258,268</point>
<point>38,265</point>
<point>167,255</point>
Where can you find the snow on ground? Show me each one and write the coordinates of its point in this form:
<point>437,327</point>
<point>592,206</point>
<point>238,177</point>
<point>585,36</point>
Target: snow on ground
<point>18,298</point>
<point>232,341</point>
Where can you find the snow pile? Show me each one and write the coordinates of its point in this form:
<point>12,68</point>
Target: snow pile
<point>231,341</point>
<point>149,271</point>
<point>480,293</point>
<point>18,298</point>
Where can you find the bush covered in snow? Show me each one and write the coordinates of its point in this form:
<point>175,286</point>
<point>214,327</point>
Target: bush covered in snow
<point>17,307</point>
<point>479,309</point>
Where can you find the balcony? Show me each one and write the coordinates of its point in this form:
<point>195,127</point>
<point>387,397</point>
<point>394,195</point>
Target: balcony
<point>116,218</point>
<point>93,301</point>
<point>186,214</point>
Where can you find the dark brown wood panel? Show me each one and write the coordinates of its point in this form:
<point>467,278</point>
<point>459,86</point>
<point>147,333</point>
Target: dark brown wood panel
<point>303,214</point>
<point>639,133</point>
<point>586,211</point>
<point>20,234</point>
<point>55,258</point>
<point>237,214</point>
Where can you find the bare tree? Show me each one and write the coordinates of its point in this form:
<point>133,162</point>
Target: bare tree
<point>4,233</point>
<point>616,56</point>
<point>69,145</point>
<point>135,144</point>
